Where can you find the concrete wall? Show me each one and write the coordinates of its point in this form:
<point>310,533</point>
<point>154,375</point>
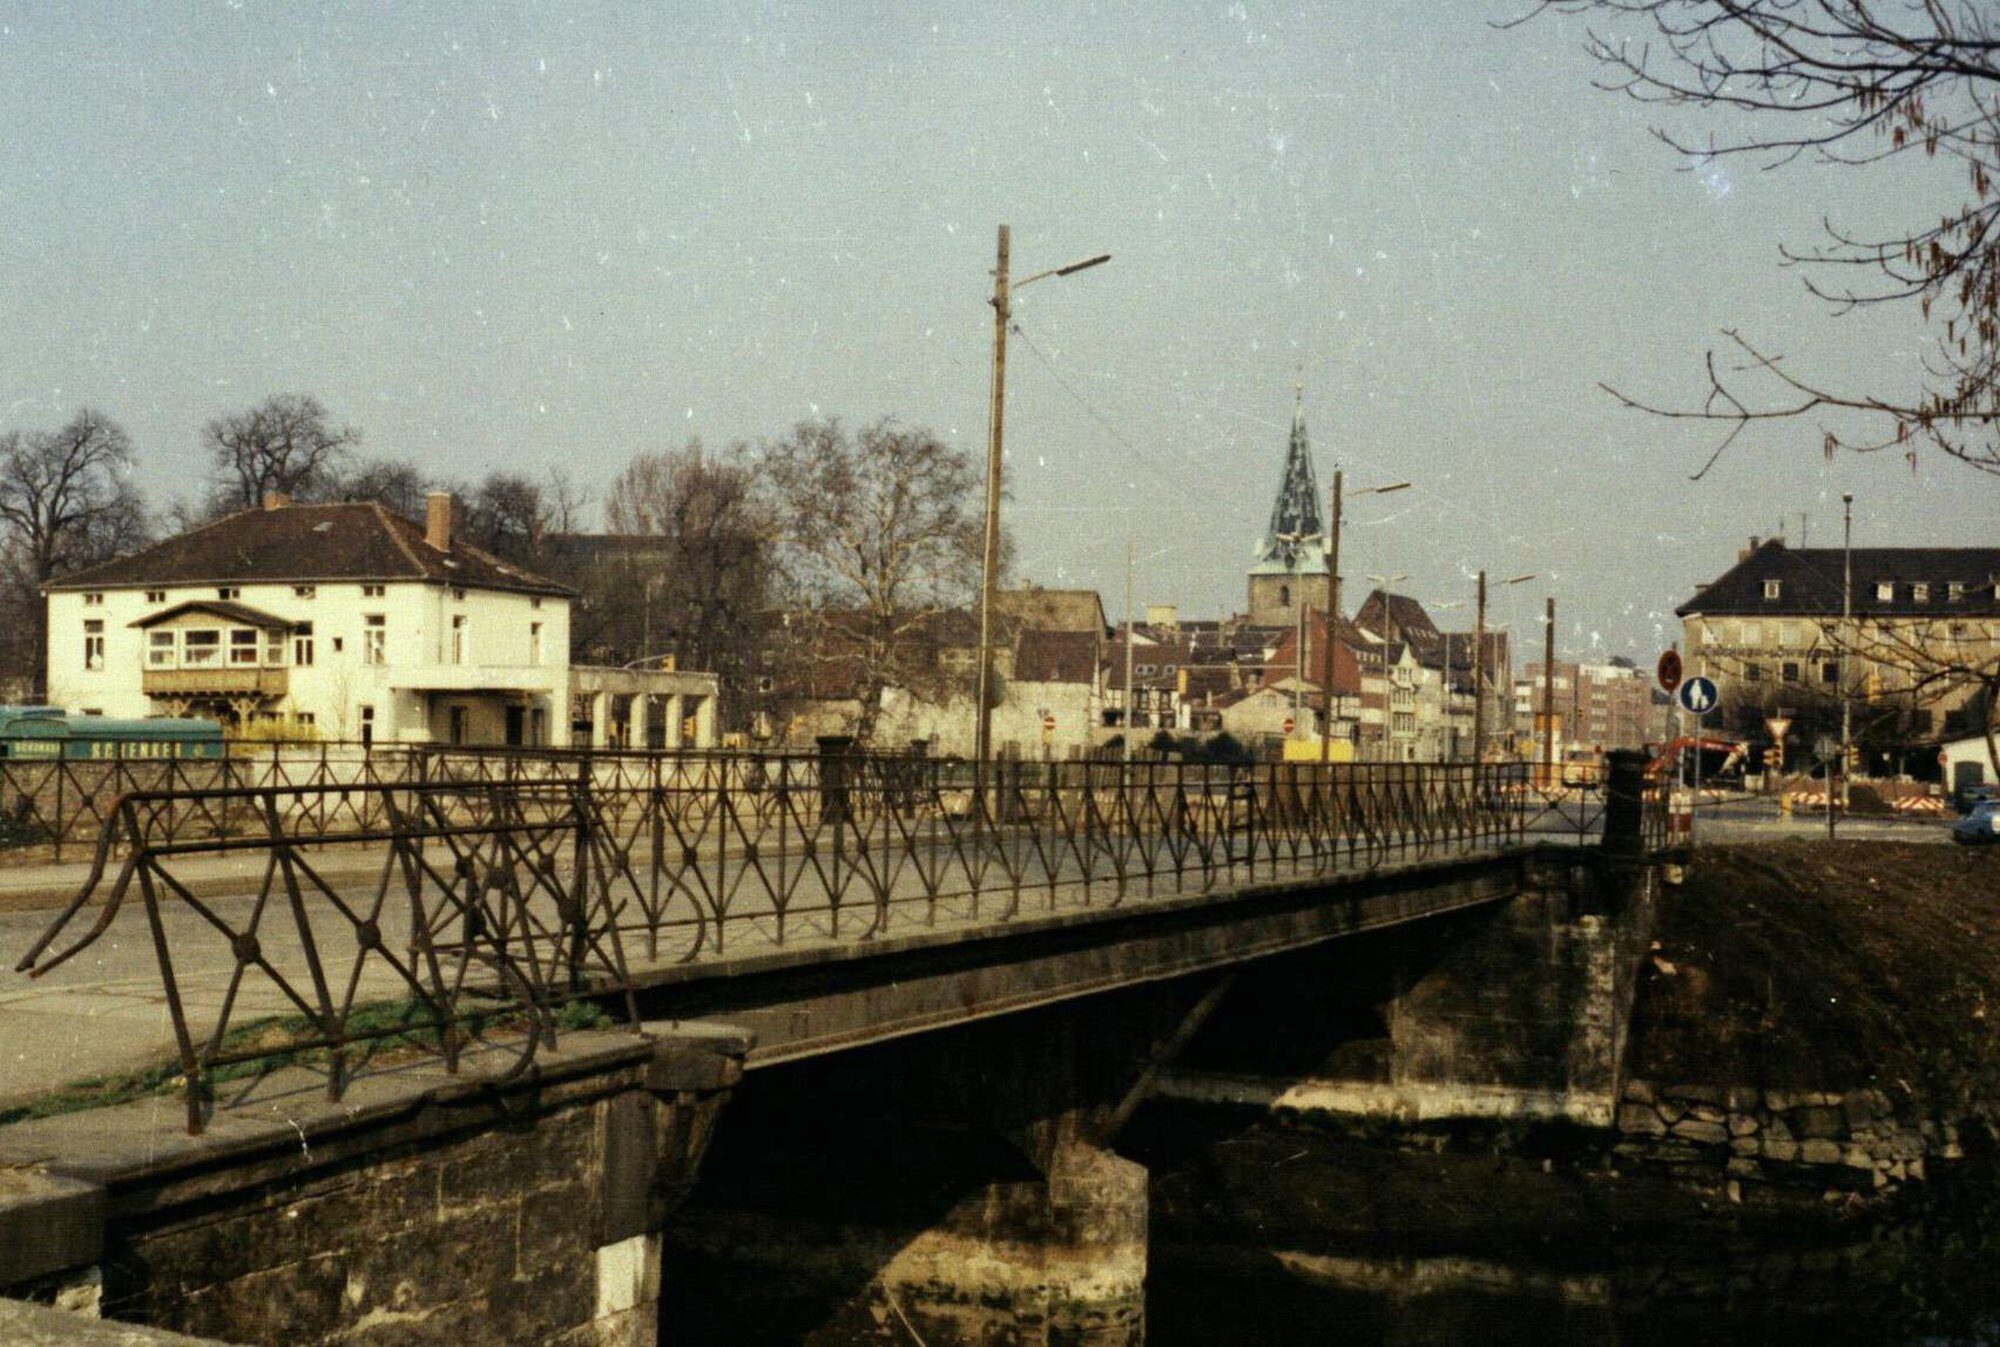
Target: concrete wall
<point>1519,1012</point>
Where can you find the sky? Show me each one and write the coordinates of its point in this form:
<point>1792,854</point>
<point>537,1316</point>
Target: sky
<point>551,236</point>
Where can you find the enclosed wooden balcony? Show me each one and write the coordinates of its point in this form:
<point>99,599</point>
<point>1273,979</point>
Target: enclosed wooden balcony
<point>221,681</point>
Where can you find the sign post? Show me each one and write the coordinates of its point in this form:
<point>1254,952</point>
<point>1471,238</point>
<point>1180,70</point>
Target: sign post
<point>1697,697</point>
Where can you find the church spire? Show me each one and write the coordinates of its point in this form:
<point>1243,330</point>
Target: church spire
<point>1295,540</point>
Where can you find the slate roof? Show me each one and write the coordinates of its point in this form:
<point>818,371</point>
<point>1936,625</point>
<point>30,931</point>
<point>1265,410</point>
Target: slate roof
<point>1295,539</point>
<point>308,544</point>
<point>1810,580</point>
<point>1397,616</point>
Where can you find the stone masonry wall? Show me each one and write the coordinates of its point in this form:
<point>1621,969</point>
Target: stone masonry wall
<point>438,1246</point>
<point>1854,1141</point>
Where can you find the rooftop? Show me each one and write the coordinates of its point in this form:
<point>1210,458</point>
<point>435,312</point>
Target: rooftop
<point>1780,581</point>
<point>308,544</point>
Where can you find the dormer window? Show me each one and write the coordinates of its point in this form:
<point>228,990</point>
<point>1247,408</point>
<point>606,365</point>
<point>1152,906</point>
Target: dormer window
<point>1920,592</point>
<point>1885,591</point>
<point>1954,590</point>
<point>1774,589</point>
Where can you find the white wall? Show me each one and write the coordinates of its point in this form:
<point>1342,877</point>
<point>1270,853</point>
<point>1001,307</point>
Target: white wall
<point>334,688</point>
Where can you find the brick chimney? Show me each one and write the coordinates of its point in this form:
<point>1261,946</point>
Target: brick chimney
<point>438,510</point>
<point>276,500</point>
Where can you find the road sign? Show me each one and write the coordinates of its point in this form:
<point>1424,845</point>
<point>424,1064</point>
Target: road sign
<point>1777,725</point>
<point>1669,670</point>
<point>1697,695</point>
<point>1290,724</point>
<point>1048,722</point>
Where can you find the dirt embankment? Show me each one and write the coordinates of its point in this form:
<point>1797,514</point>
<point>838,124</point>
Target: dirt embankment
<point>1800,965</point>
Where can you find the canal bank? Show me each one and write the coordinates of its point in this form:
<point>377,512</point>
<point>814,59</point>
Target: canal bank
<point>1802,1151</point>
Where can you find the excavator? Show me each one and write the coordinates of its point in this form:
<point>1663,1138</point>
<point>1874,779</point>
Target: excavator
<point>1719,758</point>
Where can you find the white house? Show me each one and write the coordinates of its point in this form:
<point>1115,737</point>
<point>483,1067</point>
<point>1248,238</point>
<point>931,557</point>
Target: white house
<point>344,620</point>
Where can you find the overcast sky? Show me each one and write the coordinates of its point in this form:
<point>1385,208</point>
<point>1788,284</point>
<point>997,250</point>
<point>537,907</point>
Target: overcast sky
<point>530,236</point>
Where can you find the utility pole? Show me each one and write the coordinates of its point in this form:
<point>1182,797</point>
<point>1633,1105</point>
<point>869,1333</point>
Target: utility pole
<point>1846,636</point>
<point>1131,726</point>
<point>990,555</point>
<point>1479,677</point>
<point>1332,620</point>
<point>1549,696</point>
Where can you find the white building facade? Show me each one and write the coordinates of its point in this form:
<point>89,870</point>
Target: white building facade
<point>340,621</point>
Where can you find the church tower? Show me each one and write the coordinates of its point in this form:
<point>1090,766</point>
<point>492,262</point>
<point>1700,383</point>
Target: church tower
<point>1290,564</point>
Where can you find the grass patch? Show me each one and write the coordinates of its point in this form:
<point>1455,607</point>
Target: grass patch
<point>391,1032</point>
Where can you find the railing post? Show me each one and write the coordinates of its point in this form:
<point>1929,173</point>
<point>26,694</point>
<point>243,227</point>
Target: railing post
<point>834,806</point>
<point>1624,802</point>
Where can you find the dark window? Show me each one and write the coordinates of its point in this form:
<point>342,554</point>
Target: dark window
<point>1789,671</point>
<point>1829,672</point>
<point>1753,673</point>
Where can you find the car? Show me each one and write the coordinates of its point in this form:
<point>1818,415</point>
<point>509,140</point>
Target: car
<point>1979,827</point>
<point>1971,795</point>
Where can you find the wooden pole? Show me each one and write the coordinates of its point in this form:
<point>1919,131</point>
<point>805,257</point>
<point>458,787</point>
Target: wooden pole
<point>1332,622</point>
<point>990,559</point>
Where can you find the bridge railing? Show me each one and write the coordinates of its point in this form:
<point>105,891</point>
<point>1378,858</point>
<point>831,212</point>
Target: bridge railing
<point>480,900</point>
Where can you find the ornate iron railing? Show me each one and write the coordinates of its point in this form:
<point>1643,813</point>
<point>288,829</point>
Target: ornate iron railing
<point>496,890</point>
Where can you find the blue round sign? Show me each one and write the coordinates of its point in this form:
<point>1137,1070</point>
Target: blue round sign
<point>1698,695</point>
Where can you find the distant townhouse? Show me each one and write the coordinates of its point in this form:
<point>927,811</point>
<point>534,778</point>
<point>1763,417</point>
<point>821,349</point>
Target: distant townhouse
<point>1918,658</point>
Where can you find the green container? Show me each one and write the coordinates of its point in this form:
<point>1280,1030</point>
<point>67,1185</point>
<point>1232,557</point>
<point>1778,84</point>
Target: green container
<point>58,736</point>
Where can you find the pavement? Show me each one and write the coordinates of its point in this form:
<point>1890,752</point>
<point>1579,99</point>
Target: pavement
<point>106,1010</point>
<point>1758,819</point>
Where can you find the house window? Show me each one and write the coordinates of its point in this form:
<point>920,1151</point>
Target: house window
<point>458,594</point>
<point>156,596</point>
<point>1885,591</point>
<point>305,591</point>
<point>274,649</point>
<point>1954,590</point>
<point>534,643</point>
<point>201,649</point>
<point>243,646</point>
<point>228,592</point>
<point>93,644</point>
<point>374,639</point>
<point>302,645</point>
<point>1284,596</point>
<point>1920,592</point>
<point>1789,671</point>
<point>1751,634</point>
<point>368,727</point>
<point>93,599</point>
<point>305,719</point>
<point>1829,672</point>
<point>458,640</point>
<point>1774,589</point>
<point>534,603</point>
<point>1753,673</point>
<point>159,650</point>
<point>371,591</point>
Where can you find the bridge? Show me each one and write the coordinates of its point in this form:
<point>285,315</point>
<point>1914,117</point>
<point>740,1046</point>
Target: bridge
<point>448,1051</point>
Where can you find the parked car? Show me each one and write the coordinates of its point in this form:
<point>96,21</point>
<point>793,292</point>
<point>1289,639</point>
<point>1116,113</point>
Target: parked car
<point>1971,795</point>
<point>1981,826</point>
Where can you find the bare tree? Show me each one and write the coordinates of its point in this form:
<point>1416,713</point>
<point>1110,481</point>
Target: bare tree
<point>283,444</point>
<point>1860,84</point>
<point>704,578</point>
<point>397,485</point>
<point>878,534</point>
<point>66,503</point>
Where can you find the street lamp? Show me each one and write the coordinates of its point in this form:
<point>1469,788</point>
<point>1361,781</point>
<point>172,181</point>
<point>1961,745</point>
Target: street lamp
<point>990,555</point>
<point>1479,666</point>
<point>1451,731</point>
